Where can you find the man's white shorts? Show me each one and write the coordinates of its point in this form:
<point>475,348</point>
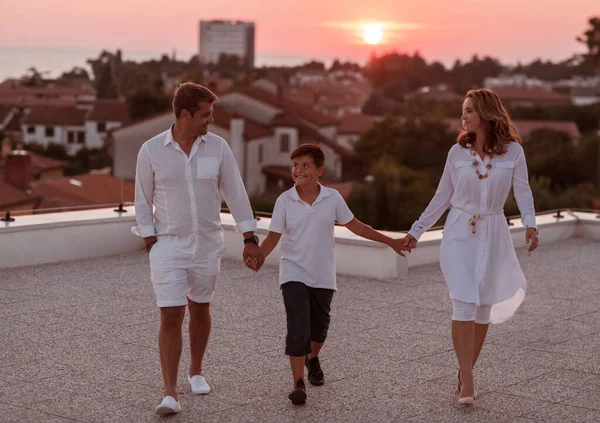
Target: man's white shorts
<point>177,276</point>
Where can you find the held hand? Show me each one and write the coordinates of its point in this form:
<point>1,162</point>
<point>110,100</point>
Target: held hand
<point>531,238</point>
<point>149,242</point>
<point>253,256</point>
<point>398,246</point>
<point>410,241</point>
<point>252,264</point>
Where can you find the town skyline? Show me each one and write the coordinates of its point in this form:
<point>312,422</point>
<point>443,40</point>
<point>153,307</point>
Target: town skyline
<point>545,30</point>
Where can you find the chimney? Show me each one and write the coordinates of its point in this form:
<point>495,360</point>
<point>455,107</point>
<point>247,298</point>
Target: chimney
<point>6,148</point>
<point>236,142</point>
<point>18,170</point>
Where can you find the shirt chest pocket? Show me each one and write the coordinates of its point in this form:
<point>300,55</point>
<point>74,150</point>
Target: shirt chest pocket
<point>208,168</point>
<point>506,166</point>
<point>462,164</point>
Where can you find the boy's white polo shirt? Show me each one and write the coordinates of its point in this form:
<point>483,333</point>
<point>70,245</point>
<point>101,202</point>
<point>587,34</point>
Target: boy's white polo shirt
<point>308,244</point>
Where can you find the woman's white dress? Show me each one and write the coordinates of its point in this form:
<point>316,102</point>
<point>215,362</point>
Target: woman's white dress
<point>481,267</point>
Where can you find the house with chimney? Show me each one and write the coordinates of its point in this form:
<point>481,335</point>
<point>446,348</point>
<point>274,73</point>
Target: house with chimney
<point>262,127</point>
<point>15,186</point>
<point>33,183</point>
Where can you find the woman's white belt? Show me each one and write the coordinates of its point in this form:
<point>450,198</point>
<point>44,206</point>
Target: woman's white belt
<point>476,216</point>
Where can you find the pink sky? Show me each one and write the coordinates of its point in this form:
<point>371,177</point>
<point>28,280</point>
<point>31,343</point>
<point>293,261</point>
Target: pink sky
<point>508,29</point>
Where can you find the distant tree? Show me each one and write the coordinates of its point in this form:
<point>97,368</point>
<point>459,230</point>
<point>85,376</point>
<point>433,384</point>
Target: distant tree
<point>417,144</point>
<point>471,74</point>
<point>56,151</point>
<point>131,76</point>
<point>105,59</point>
<point>346,66</point>
<point>551,155</point>
<point>578,196</point>
<point>394,197</point>
<point>587,159</point>
<point>33,78</point>
<point>396,75</point>
<point>34,147</point>
<point>195,75</point>
<point>313,65</point>
<point>105,85</point>
<point>76,74</point>
<point>146,101</point>
<point>591,39</point>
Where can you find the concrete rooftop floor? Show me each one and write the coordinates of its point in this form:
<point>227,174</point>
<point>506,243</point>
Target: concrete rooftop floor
<point>79,344</point>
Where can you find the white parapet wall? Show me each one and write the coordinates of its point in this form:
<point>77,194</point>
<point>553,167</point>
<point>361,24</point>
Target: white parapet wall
<point>78,235</point>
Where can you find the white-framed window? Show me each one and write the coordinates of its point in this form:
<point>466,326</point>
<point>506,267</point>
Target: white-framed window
<point>284,143</point>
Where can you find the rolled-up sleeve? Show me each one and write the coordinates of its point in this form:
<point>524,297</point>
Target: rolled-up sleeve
<point>438,204</point>
<point>144,192</point>
<point>522,191</point>
<point>234,192</point>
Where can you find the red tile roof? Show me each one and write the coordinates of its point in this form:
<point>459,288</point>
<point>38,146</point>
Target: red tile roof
<point>252,130</point>
<point>11,198</point>
<point>41,163</point>
<point>20,101</point>
<point>83,190</point>
<point>15,87</point>
<point>301,95</point>
<point>357,124</point>
<point>109,111</point>
<point>14,124</point>
<point>289,107</point>
<point>526,127</point>
<point>311,135</point>
<point>531,94</point>
<point>5,110</point>
<point>53,115</point>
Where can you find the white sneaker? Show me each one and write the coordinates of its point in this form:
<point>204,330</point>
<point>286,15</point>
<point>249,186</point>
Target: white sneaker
<point>199,385</point>
<point>169,405</point>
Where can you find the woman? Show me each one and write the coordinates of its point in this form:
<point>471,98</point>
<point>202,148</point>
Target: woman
<point>477,255</point>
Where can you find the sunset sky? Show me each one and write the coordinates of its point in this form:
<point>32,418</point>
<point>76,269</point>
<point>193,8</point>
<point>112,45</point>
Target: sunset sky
<point>511,30</point>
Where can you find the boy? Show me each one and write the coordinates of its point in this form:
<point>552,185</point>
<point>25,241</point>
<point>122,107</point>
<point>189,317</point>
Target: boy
<point>305,216</point>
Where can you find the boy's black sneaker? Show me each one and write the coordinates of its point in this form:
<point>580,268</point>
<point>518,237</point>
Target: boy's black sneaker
<point>315,373</point>
<point>298,395</point>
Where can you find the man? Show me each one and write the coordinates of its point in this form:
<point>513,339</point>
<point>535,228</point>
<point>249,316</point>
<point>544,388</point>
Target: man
<point>181,172</point>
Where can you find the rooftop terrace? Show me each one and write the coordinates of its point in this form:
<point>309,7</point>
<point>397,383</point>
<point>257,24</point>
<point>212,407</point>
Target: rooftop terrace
<point>80,340</point>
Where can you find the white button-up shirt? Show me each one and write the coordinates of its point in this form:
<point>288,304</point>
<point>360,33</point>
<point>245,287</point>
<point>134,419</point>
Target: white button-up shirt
<point>185,192</point>
<point>308,244</point>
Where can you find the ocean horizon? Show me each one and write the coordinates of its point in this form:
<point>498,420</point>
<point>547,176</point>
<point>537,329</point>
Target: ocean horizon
<point>15,61</point>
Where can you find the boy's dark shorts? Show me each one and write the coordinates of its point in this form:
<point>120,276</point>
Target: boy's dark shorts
<point>307,311</point>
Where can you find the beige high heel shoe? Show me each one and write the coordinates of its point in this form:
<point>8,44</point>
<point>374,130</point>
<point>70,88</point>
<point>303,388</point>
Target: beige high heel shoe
<point>459,385</point>
<point>465,400</point>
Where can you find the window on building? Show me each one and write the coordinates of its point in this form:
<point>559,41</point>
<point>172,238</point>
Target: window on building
<point>80,137</point>
<point>101,127</point>
<point>284,143</point>
<point>31,129</point>
<point>71,137</point>
<point>260,154</point>
<point>49,131</point>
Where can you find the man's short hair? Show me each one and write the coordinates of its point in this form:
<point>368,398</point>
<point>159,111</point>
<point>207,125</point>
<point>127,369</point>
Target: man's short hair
<point>313,150</point>
<point>188,95</point>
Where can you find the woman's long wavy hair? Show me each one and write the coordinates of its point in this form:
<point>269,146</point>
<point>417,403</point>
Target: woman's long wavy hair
<point>499,128</point>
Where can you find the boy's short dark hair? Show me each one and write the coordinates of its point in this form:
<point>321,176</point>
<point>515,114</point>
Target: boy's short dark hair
<point>313,150</point>
<point>188,95</point>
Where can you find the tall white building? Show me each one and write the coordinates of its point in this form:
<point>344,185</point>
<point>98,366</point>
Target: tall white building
<point>227,37</point>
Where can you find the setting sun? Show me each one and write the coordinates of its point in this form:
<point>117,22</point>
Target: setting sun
<point>372,33</point>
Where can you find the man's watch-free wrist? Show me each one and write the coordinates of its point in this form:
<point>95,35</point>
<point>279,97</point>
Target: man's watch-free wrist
<point>537,229</point>
<point>251,240</point>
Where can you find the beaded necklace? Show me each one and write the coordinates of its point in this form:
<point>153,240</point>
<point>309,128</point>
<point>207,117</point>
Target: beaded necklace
<point>480,175</point>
